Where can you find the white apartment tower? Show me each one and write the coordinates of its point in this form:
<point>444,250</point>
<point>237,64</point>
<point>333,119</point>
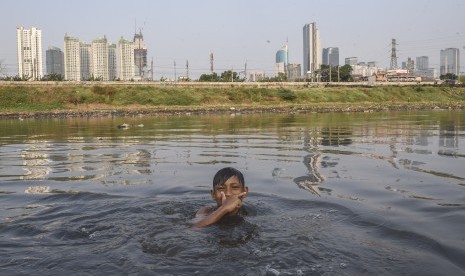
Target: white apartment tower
<point>72,60</point>
<point>312,49</point>
<point>29,43</point>
<point>100,58</point>
<point>126,60</point>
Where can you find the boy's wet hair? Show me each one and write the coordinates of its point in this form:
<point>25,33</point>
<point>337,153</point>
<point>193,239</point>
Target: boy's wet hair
<point>224,174</point>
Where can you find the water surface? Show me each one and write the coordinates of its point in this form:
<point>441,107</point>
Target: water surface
<point>331,194</point>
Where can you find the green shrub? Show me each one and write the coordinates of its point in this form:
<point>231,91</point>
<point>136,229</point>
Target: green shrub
<point>287,95</point>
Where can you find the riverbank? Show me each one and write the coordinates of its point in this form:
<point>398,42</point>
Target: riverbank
<point>94,100</point>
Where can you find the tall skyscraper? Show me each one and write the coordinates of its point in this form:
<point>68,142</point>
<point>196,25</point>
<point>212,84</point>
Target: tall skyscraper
<point>140,56</point>
<point>331,56</point>
<point>422,63</point>
<point>29,45</point>
<point>312,49</point>
<point>54,59</point>
<point>450,61</point>
<point>422,69</point>
<point>282,56</point>
<point>126,59</point>
<point>100,58</point>
<point>86,60</point>
<point>72,59</point>
<point>112,62</point>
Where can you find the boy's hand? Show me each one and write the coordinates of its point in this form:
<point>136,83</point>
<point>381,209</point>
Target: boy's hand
<point>232,203</point>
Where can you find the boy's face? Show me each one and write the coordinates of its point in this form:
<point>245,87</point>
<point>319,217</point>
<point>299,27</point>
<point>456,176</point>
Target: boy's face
<point>232,186</point>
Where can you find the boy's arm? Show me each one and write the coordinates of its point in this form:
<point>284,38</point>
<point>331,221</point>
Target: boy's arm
<point>230,204</point>
<point>208,219</point>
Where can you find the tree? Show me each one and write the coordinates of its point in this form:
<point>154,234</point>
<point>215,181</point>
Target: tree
<point>448,76</point>
<point>226,76</point>
<point>93,78</point>
<point>326,70</point>
<point>281,77</point>
<point>345,73</point>
<point>213,77</point>
<point>53,77</point>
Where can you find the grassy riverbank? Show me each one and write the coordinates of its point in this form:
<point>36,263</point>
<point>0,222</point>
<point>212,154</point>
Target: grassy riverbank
<point>76,99</point>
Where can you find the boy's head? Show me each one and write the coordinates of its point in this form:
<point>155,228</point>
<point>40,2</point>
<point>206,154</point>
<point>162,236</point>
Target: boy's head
<point>224,174</point>
<point>230,182</point>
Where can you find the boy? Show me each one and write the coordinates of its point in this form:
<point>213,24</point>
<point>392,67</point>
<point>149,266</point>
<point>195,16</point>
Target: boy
<point>228,191</point>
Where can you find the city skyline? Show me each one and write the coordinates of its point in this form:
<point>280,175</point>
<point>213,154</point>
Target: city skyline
<point>245,32</point>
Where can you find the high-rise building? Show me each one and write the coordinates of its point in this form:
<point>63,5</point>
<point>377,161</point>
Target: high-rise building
<point>112,62</point>
<point>293,72</point>
<point>29,45</point>
<point>422,63</point>
<point>422,69</point>
<point>331,56</point>
<point>282,55</point>
<point>408,65</point>
<point>86,60</point>
<point>449,61</point>
<point>126,59</point>
<point>54,59</point>
<point>281,60</point>
<point>351,61</point>
<point>140,57</point>
<point>257,76</point>
<point>312,49</point>
<point>72,59</point>
<point>100,58</point>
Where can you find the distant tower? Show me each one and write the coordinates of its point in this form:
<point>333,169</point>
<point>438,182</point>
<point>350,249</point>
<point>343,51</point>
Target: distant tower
<point>72,61</point>
<point>54,58</point>
<point>187,69</point>
<point>100,58</point>
<point>126,59</point>
<point>112,61</point>
<point>312,49</point>
<point>85,51</point>
<point>211,62</point>
<point>140,56</point>
<point>29,45</point>
<point>450,61</point>
<point>422,63</point>
<point>281,60</point>
<point>393,55</point>
<point>331,56</point>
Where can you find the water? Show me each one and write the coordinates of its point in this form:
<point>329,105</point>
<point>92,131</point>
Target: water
<point>330,194</point>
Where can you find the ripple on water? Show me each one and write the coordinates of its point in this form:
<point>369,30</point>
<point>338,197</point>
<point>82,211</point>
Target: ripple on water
<point>89,232</point>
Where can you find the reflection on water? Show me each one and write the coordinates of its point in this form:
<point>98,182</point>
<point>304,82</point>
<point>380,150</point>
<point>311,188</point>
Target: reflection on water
<point>332,193</point>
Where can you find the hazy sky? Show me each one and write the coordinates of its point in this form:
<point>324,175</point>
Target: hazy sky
<point>239,31</point>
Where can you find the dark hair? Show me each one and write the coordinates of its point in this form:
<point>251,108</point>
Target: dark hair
<point>224,174</point>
